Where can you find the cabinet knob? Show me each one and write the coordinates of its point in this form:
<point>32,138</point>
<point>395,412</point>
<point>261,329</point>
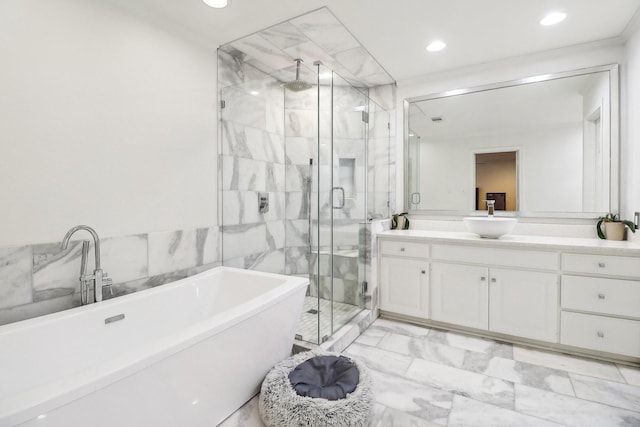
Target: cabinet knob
<point>493,280</point>
<point>424,271</point>
<point>483,279</point>
<point>601,265</point>
<point>601,296</point>
<point>600,334</point>
<point>401,249</point>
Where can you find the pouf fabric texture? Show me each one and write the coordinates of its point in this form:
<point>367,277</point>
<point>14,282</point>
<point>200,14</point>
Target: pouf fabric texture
<point>327,377</point>
<point>281,406</point>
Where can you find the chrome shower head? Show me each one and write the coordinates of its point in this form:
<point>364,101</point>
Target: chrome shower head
<point>298,85</point>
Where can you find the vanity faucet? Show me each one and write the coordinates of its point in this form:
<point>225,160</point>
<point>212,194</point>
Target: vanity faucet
<point>99,279</point>
<point>490,207</point>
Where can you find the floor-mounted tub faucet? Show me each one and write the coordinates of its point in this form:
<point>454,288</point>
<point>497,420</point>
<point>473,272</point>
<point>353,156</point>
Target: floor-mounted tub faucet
<point>99,279</point>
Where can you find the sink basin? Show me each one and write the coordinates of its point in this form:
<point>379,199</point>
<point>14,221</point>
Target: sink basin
<point>490,227</point>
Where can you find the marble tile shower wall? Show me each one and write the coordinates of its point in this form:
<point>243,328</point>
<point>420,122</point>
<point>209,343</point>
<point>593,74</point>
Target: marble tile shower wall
<point>252,161</point>
<point>41,279</point>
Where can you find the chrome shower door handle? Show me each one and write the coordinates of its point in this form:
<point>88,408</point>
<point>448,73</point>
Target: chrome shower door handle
<point>341,204</point>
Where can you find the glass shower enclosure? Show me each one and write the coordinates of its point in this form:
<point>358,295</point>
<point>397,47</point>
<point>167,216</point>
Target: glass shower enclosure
<point>303,171</point>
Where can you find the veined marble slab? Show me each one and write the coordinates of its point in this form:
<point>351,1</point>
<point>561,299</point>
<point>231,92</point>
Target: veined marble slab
<point>235,240</point>
<point>472,413</point>
<point>247,416</point>
<point>608,392</point>
<point>632,375</point>
<point>380,360</point>
<point>171,251</point>
<point>322,27</point>
<point>56,271</point>
<point>578,365</point>
<point>571,411</point>
<point>467,342</point>
<point>519,372</point>
<point>284,35</point>
<point>15,276</point>
<point>423,349</point>
<point>412,398</point>
<point>469,384</point>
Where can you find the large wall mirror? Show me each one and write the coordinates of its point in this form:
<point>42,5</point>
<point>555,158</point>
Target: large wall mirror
<point>540,146</point>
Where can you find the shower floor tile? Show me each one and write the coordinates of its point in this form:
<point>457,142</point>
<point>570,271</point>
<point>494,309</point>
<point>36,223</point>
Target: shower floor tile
<point>308,326</point>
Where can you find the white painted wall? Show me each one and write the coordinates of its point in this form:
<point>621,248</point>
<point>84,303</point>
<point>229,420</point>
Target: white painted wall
<point>566,59</point>
<point>630,156</point>
<point>597,139</point>
<point>105,120</point>
<point>448,179</point>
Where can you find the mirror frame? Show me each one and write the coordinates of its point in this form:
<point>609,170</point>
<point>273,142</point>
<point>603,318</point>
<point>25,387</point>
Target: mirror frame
<point>614,159</point>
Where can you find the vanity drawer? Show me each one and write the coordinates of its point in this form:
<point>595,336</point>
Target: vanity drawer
<point>601,264</point>
<point>608,296</point>
<point>497,257</point>
<point>404,248</point>
<point>620,336</point>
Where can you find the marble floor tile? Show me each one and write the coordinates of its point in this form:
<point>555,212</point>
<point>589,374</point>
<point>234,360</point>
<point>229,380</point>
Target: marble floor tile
<point>611,393</point>
<point>468,342</point>
<point>593,368</point>
<point>246,416</point>
<point>469,384</point>
<point>401,328</point>
<point>380,360</point>
<point>393,418</point>
<point>519,372</point>
<point>471,413</point>
<point>371,336</point>
<point>630,374</point>
<point>415,399</point>
<point>423,349</point>
<point>490,383</point>
<point>571,411</point>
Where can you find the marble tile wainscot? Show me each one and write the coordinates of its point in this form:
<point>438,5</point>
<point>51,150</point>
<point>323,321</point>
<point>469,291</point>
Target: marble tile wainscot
<point>41,279</point>
<point>574,295</point>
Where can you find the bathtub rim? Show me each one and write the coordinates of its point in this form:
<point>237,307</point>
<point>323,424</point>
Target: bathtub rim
<point>31,403</point>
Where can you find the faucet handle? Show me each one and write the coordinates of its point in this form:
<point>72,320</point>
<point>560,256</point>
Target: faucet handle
<point>108,282</point>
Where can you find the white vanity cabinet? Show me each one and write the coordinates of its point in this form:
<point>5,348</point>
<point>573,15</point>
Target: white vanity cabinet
<point>601,303</point>
<point>524,304</point>
<point>404,277</point>
<point>460,294</point>
<point>577,295</point>
<point>488,288</point>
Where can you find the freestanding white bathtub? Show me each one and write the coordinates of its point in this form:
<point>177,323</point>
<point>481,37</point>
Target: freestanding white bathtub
<point>185,354</point>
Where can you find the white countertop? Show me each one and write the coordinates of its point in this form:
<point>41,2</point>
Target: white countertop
<point>609,247</point>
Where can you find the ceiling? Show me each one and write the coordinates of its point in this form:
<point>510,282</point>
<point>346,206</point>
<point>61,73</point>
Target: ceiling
<point>396,33</point>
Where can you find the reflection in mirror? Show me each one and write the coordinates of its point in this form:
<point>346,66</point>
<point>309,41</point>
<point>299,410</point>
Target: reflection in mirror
<point>556,131</point>
<point>496,179</point>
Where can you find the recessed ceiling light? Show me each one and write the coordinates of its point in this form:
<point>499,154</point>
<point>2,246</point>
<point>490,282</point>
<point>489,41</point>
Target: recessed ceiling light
<point>216,3</point>
<point>436,46</point>
<point>553,18</point>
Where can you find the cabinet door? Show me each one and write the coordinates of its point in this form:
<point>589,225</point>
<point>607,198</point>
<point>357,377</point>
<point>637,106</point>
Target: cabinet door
<point>404,286</point>
<point>524,303</point>
<point>459,294</point>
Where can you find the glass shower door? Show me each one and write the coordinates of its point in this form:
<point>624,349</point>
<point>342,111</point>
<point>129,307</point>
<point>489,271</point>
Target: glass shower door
<point>348,200</point>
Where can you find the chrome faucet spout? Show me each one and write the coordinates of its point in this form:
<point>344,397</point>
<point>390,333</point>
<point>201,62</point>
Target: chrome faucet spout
<point>96,240</point>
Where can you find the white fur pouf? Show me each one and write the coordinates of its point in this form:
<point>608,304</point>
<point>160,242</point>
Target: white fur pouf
<point>281,406</point>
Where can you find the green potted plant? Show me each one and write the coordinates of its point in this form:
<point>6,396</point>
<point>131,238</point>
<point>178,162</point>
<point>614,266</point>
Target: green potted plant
<point>614,227</point>
<point>400,221</point>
